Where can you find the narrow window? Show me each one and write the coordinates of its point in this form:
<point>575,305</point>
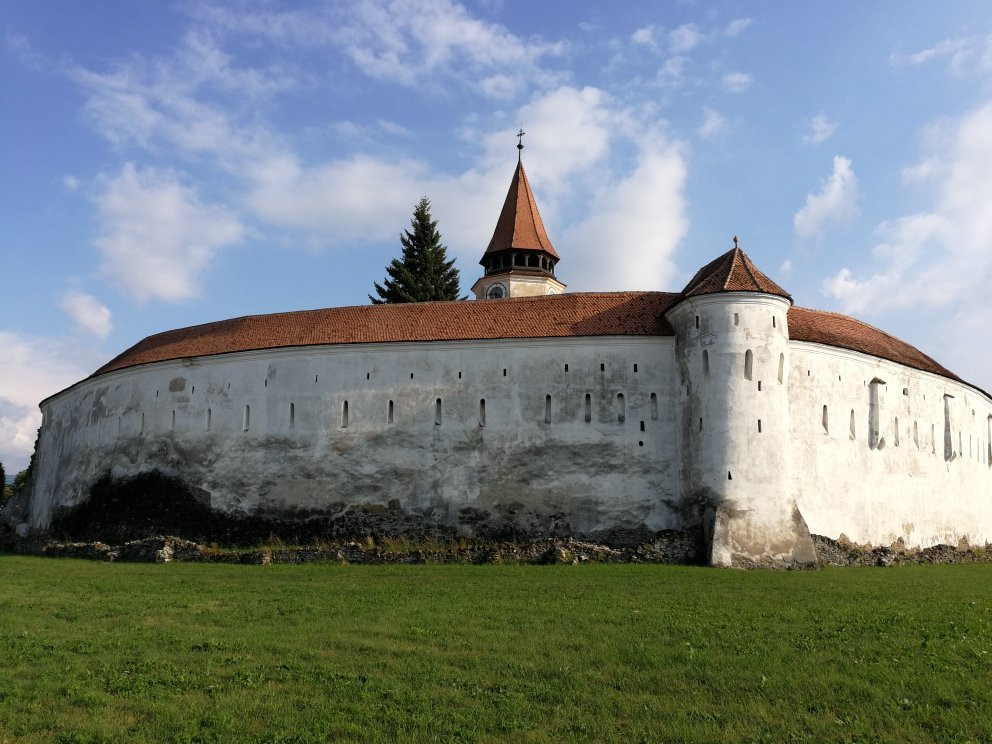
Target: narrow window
<point>748,364</point>
<point>459,375</point>
<point>697,321</point>
<point>315,377</point>
<point>566,368</point>
<point>876,440</point>
<point>990,441</point>
<point>853,432</point>
<point>192,390</point>
<point>729,477</point>
<point>588,408</point>
<point>292,415</point>
<point>654,407</point>
<point>916,434</point>
<point>737,321</point>
<point>774,322</point>
<point>118,426</point>
<point>209,416</point>
<point>642,426</point>
<point>621,408</point>
<point>759,386</point>
<point>156,392</point>
<point>602,367</point>
<point>482,412</point>
<point>344,415</point>
<point>265,382</point>
<point>142,430</point>
<point>411,375</point>
<point>895,432</point>
<point>437,412</point>
<point>368,375</point>
<point>706,363</point>
<point>781,368</point>
<point>504,372</point>
<point>759,426</point>
<point>547,409</point>
<point>246,421</point>
<point>635,369</point>
<point>700,424</point>
<point>389,413</point>
<point>905,391</point>
<point>948,441</point>
<point>173,424</point>
<point>826,421</point>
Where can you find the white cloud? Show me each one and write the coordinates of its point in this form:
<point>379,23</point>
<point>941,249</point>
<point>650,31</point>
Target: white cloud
<point>941,258</point>
<point>635,224</point>
<point>736,82</point>
<point>644,35</point>
<point>410,42</point>
<point>31,369</point>
<point>685,38</point>
<point>820,130</point>
<point>70,182</point>
<point>672,72</point>
<point>964,54</point>
<point>88,312</point>
<point>713,124</point>
<point>785,270</point>
<point>736,26</point>
<point>156,237</point>
<point>378,197</point>
<point>836,201</point>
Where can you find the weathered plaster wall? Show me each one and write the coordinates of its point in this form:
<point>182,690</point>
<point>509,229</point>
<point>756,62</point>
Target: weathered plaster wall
<point>577,436</point>
<point>732,351</point>
<point>877,477</point>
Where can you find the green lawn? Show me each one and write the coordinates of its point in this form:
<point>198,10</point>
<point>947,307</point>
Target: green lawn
<point>188,652</point>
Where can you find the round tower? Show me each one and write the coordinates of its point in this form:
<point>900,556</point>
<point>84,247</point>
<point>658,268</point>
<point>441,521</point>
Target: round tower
<point>732,353</point>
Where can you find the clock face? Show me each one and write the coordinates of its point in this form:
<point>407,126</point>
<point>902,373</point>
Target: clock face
<point>496,292</point>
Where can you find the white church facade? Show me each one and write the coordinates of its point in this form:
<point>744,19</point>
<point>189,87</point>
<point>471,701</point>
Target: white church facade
<point>721,409</point>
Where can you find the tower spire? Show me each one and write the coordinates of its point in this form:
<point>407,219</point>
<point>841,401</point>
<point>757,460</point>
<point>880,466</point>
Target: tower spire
<point>520,259</point>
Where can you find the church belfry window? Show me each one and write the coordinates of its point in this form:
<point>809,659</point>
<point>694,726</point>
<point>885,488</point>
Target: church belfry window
<point>748,364</point>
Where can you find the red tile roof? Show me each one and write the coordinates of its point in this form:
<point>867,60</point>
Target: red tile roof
<point>732,272</point>
<point>834,329</point>
<point>556,316</point>
<point>519,225</point>
<point>551,316</point>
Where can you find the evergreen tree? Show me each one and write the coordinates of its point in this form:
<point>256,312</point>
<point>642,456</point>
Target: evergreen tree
<point>423,273</point>
<point>3,485</point>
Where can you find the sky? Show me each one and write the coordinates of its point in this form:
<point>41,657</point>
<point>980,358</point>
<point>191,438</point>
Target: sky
<point>172,163</point>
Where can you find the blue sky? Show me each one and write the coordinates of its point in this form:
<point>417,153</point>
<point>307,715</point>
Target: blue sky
<point>166,164</point>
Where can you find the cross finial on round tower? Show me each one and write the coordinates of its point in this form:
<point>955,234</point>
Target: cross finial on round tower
<point>520,142</point>
<point>736,243</point>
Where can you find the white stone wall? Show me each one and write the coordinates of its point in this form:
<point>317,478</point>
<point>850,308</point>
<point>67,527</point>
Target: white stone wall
<point>899,483</point>
<point>917,464</point>
<point>732,351</point>
<point>536,463</point>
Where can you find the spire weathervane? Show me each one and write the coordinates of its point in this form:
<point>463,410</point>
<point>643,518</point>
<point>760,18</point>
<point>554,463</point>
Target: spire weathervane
<point>736,241</point>
<point>520,142</point>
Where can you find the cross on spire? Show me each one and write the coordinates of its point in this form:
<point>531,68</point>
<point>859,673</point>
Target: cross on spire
<point>520,142</point>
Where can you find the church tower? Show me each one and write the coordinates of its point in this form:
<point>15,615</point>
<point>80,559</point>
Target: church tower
<point>520,260</point>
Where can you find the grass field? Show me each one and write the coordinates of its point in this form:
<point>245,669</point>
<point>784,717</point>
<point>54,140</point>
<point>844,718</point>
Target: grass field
<point>187,652</point>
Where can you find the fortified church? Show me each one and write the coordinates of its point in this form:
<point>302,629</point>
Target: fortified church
<point>722,411</point>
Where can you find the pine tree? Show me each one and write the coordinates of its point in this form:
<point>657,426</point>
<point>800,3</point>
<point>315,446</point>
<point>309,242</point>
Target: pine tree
<point>423,272</point>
